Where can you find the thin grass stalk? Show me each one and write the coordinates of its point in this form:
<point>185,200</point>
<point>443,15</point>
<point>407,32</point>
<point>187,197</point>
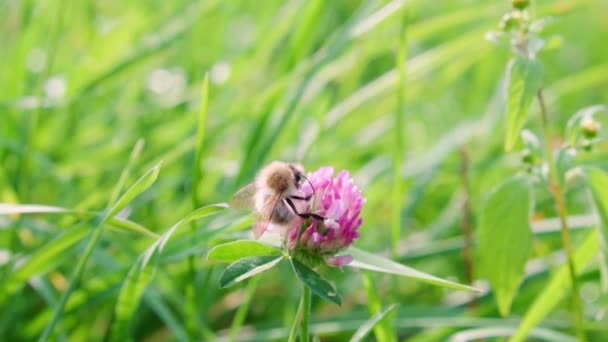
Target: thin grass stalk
<point>560,203</point>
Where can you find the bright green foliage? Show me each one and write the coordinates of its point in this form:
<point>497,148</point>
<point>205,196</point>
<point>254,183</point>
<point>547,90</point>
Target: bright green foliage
<point>94,94</point>
<point>524,80</point>
<point>373,262</point>
<point>558,285</point>
<point>247,267</point>
<point>598,183</point>
<point>367,327</point>
<point>505,239</point>
<point>233,251</point>
<point>315,282</point>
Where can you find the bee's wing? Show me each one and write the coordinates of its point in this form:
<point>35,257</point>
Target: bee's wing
<point>243,199</point>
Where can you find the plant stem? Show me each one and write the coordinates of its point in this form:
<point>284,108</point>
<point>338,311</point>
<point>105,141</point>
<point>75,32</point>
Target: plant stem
<point>305,314</point>
<point>397,193</point>
<point>241,313</point>
<point>192,314</point>
<point>296,322</point>
<point>74,280</point>
<point>467,216</point>
<point>560,202</point>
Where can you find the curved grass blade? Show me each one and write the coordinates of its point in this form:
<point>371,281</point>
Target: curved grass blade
<point>367,327</point>
<point>372,262</point>
<point>143,183</point>
<point>385,331</point>
<point>315,282</point>
<point>142,272</point>
<point>120,223</point>
<point>557,286</point>
<point>246,268</point>
<point>481,334</point>
<point>598,183</point>
<point>137,280</point>
<point>40,261</point>
<point>140,185</point>
<point>233,251</point>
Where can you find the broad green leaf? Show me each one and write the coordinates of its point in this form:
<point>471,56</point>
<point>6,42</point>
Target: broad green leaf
<point>246,268</point>
<point>143,183</point>
<point>598,183</point>
<point>373,262</point>
<point>524,80</point>
<point>315,282</point>
<point>233,251</point>
<point>505,238</point>
<point>367,327</point>
<point>557,287</point>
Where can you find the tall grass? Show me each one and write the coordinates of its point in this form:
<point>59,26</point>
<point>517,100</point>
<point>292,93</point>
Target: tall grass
<point>319,82</point>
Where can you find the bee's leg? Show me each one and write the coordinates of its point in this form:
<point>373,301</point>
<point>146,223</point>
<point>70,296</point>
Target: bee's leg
<point>301,198</point>
<point>289,202</point>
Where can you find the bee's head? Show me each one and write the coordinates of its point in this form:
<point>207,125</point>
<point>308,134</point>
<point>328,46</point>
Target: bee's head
<point>298,174</point>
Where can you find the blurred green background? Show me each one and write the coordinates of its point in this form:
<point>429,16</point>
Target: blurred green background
<point>309,81</point>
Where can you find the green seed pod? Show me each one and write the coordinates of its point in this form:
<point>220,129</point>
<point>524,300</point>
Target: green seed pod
<point>586,145</point>
<point>520,4</point>
<point>590,127</point>
<point>527,157</point>
<point>511,21</point>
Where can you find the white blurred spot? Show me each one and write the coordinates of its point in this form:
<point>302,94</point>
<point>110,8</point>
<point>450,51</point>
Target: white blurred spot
<point>105,24</point>
<point>590,292</point>
<point>220,73</point>
<point>28,102</point>
<point>55,87</point>
<point>36,60</point>
<point>242,33</point>
<point>5,256</point>
<point>168,84</point>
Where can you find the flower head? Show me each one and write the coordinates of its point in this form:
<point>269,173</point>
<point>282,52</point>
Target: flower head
<point>339,202</point>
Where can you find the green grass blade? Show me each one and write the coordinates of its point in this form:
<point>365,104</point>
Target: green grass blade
<point>384,331</point>
<point>399,146</point>
<point>120,224</point>
<point>191,295</point>
<point>41,260</point>
<point>139,146</point>
<point>138,278</point>
<point>142,273</point>
<point>138,187</point>
<point>557,287</point>
<point>373,262</point>
<point>141,185</point>
<point>597,180</point>
<point>367,327</point>
<point>241,313</point>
